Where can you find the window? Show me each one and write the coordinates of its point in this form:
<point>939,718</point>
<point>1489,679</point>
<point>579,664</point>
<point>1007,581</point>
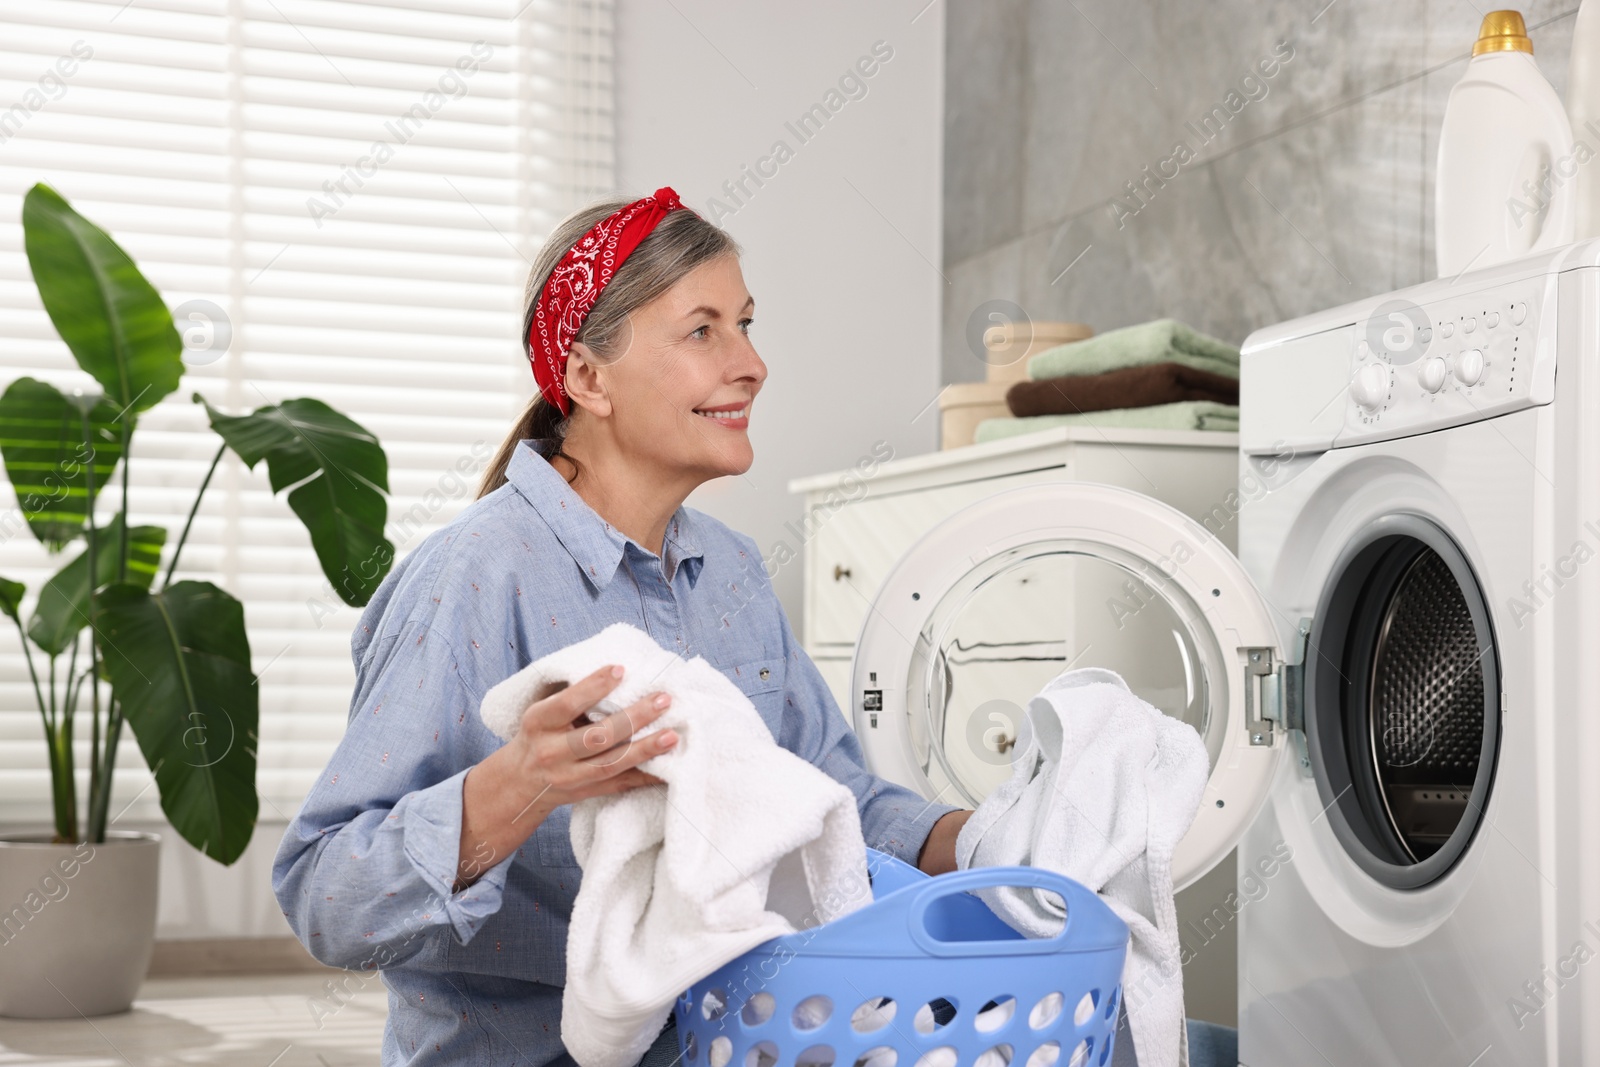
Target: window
<point>338,199</point>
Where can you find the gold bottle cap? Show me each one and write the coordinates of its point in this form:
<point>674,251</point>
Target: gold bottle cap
<point>1502,31</point>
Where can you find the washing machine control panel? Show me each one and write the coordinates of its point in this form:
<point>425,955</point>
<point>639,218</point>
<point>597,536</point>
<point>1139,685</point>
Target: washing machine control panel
<point>1419,367</point>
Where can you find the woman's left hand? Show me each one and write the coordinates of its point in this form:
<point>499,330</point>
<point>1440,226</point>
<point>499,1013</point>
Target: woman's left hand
<point>938,854</point>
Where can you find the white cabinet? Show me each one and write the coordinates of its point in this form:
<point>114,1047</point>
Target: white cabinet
<point>852,544</point>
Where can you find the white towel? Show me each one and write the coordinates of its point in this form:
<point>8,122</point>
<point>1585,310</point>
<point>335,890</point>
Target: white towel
<point>676,876</point>
<point>1102,790</point>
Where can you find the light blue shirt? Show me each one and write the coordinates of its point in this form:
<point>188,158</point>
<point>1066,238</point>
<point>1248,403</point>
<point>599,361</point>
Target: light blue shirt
<point>366,867</point>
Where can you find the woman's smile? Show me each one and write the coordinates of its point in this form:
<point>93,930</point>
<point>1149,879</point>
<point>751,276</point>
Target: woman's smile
<point>734,416</point>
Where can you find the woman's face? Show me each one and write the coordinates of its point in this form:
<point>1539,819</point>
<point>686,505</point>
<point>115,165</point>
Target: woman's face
<point>690,356</point>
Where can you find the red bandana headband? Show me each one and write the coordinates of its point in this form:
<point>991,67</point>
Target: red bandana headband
<point>576,282</point>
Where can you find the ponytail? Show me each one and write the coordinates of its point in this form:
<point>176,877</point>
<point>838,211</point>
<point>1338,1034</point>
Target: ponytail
<point>540,420</point>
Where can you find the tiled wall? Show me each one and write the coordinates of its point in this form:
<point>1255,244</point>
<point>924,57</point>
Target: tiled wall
<point>1317,189</point>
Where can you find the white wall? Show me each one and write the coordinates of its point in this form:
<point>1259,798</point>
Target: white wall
<point>200,898</point>
<point>842,244</point>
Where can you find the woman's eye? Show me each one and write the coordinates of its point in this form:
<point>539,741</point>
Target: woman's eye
<point>701,331</point>
<point>744,324</point>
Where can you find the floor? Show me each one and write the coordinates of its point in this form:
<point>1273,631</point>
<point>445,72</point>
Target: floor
<point>265,1021</point>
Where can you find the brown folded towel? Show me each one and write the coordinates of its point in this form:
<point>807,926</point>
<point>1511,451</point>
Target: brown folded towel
<point>1130,387</point>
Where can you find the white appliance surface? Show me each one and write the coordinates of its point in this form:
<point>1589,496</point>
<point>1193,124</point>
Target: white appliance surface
<point>1395,675</point>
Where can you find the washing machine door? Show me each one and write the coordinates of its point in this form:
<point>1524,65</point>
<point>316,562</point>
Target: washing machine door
<point>999,598</point>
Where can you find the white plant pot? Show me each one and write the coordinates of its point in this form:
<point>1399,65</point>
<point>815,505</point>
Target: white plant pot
<point>77,923</point>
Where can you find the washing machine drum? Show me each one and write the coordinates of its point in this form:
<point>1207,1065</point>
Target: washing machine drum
<point>1403,701</point>
<point>997,599</point>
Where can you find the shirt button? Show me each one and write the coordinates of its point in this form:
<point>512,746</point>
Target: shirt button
<point>764,673</point>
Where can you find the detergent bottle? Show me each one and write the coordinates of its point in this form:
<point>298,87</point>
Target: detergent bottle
<point>1505,184</point>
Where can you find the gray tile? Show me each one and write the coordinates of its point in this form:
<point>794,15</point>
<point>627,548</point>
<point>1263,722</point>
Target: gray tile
<point>1211,60</point>
<point>1178,257</point>
<point>1085,270</point>
<point>1092,117</point>
<point>1115,88</point>
<point>1318,191</point>
<point>1108,96</point>
<point>1448,29</point>
<point>1343,51</point>
<point>1334,211</point>
<point>975,285</point>
<point>985,134</point>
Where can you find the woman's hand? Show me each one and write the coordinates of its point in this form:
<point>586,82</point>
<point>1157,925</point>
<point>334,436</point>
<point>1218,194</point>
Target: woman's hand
<point>557,756</point>
<point>938,855</point>
<point>560,756</point>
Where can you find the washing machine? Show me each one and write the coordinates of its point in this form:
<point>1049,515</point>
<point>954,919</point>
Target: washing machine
<point>1397,677</point>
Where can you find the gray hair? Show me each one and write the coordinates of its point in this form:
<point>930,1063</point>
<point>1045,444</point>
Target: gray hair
<point>681,241</point>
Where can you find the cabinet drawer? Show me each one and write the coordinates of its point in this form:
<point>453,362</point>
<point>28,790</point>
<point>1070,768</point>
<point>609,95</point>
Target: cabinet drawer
<point>857,545</point>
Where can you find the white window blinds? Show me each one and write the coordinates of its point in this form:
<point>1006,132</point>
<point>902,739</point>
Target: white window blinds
<point>340,200</point>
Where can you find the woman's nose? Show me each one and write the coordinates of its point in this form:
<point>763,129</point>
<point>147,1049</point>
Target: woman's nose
<point>747,364</point>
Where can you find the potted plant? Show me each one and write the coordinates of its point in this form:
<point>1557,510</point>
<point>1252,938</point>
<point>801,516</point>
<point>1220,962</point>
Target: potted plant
<point>168,659</point>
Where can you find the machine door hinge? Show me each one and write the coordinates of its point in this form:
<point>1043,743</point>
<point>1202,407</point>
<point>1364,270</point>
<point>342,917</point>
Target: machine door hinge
<point>1274,693</point>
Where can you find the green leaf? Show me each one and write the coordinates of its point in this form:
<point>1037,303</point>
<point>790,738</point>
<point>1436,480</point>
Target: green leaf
<point>11,594</point>
<point>47,455</point>
<point>114,321</point>
<point>179,664</point>
<point>340,475</point>
<point>63,607</point>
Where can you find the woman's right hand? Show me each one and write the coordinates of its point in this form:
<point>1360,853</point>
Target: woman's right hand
<point>556,757</point>
<point>562,757</point>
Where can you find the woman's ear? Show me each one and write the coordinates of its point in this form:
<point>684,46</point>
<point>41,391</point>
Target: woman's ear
<point>586,385</point>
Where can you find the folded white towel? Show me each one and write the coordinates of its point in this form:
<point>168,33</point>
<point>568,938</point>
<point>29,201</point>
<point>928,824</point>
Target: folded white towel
<point>1102,790</point>
<point>676,877</point>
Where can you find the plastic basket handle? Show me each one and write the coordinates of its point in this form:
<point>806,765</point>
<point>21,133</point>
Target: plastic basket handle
<point>1074,894</point>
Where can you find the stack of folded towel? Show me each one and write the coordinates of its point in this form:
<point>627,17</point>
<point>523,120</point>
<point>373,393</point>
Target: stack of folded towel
<point>1156,375</point>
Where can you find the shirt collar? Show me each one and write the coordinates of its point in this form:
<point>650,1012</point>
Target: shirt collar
<point>594,544</point>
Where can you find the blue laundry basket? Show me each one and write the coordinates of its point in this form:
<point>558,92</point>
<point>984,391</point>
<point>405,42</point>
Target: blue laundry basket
<point>924,976</point>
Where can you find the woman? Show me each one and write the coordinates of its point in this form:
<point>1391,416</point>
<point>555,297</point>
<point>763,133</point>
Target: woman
<point>428,848</point>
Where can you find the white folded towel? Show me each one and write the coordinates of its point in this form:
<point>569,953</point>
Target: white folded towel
<point>676,877</point>
<point>1102,790</point>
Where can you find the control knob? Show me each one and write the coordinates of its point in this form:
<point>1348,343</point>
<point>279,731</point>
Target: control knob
<point>1431,374</point>
<point>1469,366</point>
<point>1371,385</point>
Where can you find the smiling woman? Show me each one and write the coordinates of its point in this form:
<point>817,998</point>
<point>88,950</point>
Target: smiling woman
<point>436,852</point>
<point>685,337</point>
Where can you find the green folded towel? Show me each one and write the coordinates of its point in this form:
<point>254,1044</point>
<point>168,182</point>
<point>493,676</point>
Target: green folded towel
<point>1184,415</point>
<point>1161,341</point>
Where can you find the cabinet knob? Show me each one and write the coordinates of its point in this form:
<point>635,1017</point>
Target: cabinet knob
<point>840,573</point>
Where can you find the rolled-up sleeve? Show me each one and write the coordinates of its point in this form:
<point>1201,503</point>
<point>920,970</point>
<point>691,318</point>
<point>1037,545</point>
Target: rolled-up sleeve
<point>365,870</point>
<point>894,819</point>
